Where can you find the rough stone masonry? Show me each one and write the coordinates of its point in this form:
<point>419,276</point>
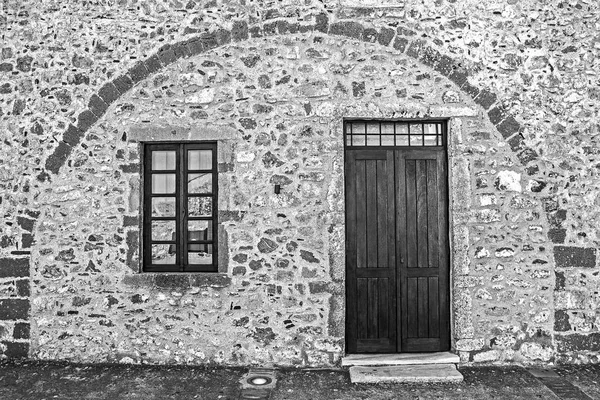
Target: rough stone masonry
<point>83,84</point>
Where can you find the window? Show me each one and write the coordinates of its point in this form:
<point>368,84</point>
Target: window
<point>395,133</point>
<point>180,207</point>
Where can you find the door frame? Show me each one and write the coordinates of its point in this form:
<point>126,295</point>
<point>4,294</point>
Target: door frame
<point>444,147</point>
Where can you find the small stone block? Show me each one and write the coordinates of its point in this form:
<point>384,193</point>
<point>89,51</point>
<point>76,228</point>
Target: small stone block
<point>458,77</point>
<point>574,257</point>
<point>153,64</point>
<point>195,47</point>
<point>58,158</point>
<point>181,50</point>
<point>385,36</point>
<point>223,37</point>
<point>210,280</point>
<point>406,374</point>
<point>239,31</point>
<point>72,135</point>
<point>16,349</point>
<point>497,114</point>
<point>370,35</point>
<point>14,267</point>
<point>557,235</point>
<point>11,309</point>
<point>322,22</point>
<point>270,29</point>
<point>138,72</point>
<point>85,120</point>
<point>516,142</point>
<point>255,32</point>
<point>400,44</point>
<point>109,93</point>
<point>123,83</point>
<point>445,65</point>
<point>416,48</point>
<point>348,28</point>
<point>166,55</point>
<point>508,127</point>
<point>21,331</point>
<point>485,99</point>
<point>471,90</point>
<point>430,56</point>
<point>209,41</point>
<point>97,106</point>
<point>23,287</point>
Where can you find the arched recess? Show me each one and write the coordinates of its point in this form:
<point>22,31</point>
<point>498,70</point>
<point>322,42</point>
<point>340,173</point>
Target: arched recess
<point>403,40</point>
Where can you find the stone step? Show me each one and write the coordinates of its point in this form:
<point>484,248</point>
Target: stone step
<point>399,359</point>
<point>429,373</point>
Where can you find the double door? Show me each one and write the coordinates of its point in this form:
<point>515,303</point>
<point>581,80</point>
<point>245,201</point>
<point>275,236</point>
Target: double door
<point>397,295</point>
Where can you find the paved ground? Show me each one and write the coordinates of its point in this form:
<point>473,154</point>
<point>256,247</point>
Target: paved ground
<point>64,381</point>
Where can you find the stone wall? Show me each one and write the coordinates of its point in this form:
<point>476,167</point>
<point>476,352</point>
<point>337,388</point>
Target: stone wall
<point>82,85</point>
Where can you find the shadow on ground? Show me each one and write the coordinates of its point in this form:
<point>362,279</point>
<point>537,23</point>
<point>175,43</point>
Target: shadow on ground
<point>36,380</point>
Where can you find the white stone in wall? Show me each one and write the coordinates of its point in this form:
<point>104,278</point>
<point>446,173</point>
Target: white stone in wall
<point>509,180</point>
<point>204,96</point>
<point>535,351</point>
<point>245,156</point>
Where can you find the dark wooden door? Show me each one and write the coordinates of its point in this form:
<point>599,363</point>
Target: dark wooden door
<point>397,251</point>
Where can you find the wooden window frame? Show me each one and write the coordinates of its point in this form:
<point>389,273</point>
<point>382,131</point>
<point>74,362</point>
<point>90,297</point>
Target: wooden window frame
<point>181,218</point>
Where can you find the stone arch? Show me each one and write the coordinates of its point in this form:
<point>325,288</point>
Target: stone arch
<point>403,40</point>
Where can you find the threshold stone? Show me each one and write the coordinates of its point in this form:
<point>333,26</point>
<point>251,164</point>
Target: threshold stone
<point>428,373</point>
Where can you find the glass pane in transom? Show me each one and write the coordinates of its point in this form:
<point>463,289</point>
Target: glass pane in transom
<point>199,159</point>
<point>416,140</point>
<point>163,183</point>
<point>200,253</point>
<point>387,140</point>
<point>163,206</point>
<point>200,230</point>
<point>373,140</point>
<point>401,128</point>
<point>416,129</point>
<point>163,254</point>
<point>430,140</point>
<point>200,206</point>
<point>200,183</point>
<point>431,129</point>
<point>358,140</point>
<point>373,128</point>
<point>163,230</point>
<point>358,127</point>
<point>163,160</point>
<point>387,128</point>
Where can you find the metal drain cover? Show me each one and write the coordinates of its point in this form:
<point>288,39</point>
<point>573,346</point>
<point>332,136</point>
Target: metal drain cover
<point>558,385</point>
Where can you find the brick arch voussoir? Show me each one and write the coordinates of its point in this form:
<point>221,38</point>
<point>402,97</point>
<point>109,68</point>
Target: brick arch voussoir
<point>403,40</point>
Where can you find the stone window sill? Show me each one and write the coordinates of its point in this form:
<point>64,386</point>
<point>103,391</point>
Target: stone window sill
<point>177,281</point>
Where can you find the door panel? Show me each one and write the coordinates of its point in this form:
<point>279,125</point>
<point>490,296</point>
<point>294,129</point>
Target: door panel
<point>371,290</point>
<point>423,273</point>
<point>397,263</point>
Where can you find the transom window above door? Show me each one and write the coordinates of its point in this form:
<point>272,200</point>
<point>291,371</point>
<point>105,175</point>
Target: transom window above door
<point>180,207</point>
<point>427,133</point>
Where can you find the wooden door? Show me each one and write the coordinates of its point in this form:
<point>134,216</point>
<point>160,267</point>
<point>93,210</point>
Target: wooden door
<point>397,257</point>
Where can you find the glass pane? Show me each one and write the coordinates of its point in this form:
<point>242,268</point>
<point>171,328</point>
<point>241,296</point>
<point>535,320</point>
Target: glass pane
<point>163,183</point>
<point>416,140</point>
<point>163,254</point>
<point>348,140</point>
<point>200,206</point>
<point>401,128</point>
<point>163,206</point>
<point>358,140</point>
<point>402,140</point>
<point>431,128</point>
<point>430,140</point>
<point>200,253</point>
<point>163,160</point>
<point>373,140</point>
<point>358,127</point>
<point>163,230</point>
<point>373,127</point>
<point>387,140</point>
<point>199,183</point>
<point>387,127</point>
<point>199,159</point>
<point>200,230</point>
<point>416,129</point>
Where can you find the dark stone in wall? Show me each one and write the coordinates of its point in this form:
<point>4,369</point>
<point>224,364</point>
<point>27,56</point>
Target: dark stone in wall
<point>23,287</point>
<point>578,257</point>
<point>26,240</point>
<point>123,83</point>
<point>239,31</point>
<point>16,349</point>
<point>11,309</point>
<point>97,106</point>
<point>508,127</point>
<point>266,245</point>
<point>13,267</point>
<point>560,281</point>
<point>400,44</point>
<point>72,135</point>
<point>385,36</point>
<point>561,321</point>
<point>210,280</point>
<point>85,120</point>
<point>347,28</point>
<point>21,331</point>
<point>321,22</point>
<point>26,223</point>
<point>308,256</point>
<point>132,241</point>
<point>485,99</point>
<point>138,72</point>
<point>131,221</point>
<point>557,235</point>
<point>578,342</point>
